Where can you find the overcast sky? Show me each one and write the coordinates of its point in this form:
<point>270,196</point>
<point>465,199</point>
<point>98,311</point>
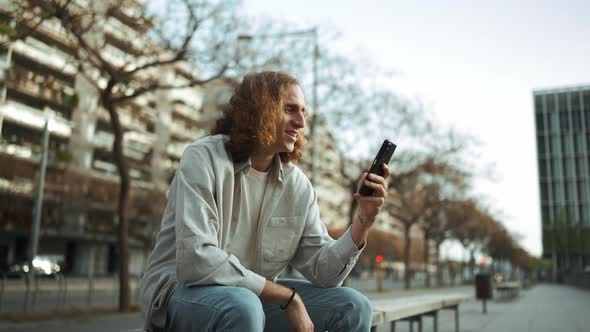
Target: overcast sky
<point>475,63</point>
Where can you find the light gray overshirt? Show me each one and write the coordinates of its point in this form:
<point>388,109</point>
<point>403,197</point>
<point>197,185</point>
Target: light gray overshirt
<point>199,220</point>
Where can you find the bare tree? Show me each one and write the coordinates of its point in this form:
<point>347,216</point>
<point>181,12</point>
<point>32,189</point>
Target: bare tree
<point>188,33</point>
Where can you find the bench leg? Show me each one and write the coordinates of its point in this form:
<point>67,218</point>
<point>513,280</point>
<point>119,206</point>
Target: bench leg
<point>417,319</point>
<point>434,315</point>
<point>456,318</point>
<point>393,326</point>
<point>435,321</point>
<point>456,309</point>
<point>373,328</point>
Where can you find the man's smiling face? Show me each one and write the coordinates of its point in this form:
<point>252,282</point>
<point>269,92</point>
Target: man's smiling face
<point>292,120</point>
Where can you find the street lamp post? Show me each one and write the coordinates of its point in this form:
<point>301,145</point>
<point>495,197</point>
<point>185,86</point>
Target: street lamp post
<point>313,32</point>
<point>4,65</point>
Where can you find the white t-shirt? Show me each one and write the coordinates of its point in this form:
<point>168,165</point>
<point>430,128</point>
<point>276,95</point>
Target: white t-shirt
<point>243,241</point>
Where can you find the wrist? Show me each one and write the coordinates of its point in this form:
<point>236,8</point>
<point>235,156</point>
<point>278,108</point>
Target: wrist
<point>295,303</point>
<point>364,220</point>
<point>292,298</point>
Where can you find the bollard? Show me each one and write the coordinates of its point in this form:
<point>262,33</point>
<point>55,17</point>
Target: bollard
<point>483,289</point>
<point>35,293</point>
<point>26,278</point>
<point>90,291</point>
<point>115,290</point>
<point>65,292</point>
<point>57,277</point>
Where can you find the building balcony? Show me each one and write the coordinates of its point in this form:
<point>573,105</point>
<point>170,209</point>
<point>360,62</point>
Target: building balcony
<point>189,98</point>
<point>34,118</point>
<point>179,131</point>
<point>135,145</point>
<point>39,96</point>
<point>36,51</point>
<point>176,149</point>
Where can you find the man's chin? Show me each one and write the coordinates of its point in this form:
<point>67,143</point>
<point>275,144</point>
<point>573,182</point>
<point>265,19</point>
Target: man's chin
<point>288,148</point>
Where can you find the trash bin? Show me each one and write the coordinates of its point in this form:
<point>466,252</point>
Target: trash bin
<point>483,288</point>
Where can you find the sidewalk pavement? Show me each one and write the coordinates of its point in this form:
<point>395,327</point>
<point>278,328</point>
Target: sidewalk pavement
<point>542,308</point>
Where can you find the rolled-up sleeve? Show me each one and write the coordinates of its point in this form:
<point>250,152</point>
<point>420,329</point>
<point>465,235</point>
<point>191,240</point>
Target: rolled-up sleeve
<point>322,260</point>
<point>199,260</point>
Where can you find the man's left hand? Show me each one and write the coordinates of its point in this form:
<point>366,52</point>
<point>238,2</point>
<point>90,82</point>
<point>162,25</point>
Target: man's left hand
<point>369,206</point>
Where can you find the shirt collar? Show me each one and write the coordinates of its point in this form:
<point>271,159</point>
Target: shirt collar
<point>276,167</point>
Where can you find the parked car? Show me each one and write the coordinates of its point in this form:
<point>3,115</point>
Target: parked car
<point>42,267</point>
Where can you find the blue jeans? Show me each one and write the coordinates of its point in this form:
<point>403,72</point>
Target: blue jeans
<point>224,308</point>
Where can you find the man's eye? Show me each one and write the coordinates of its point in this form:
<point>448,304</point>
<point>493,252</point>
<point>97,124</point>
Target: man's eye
<point>288,109</point>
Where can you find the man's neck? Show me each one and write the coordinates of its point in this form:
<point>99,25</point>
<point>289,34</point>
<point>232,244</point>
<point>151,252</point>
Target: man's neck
<point>261,161</point>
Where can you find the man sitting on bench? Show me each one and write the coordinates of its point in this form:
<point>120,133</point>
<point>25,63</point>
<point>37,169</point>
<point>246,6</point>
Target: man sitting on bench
<point>238,212</point>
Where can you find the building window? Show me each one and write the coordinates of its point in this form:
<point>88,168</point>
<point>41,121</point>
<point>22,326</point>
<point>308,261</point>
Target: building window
<point>568,146</point>
<point>564,124</point>
<point>579,143</point>
<point>570,190</point>
<point>541,145</point>
<point>586,101</point>
<point>544,192</point>
<point>545,214</point>
<point>550,103</point>
<point>556,168</point>
<point>542,168</point>
<point>580,167</point>
<point>557,192</point>
<point>562,101</point>
<point>577,119</point>
<point>539,103</point>
<point>582,191</point>
<point>585,217</point>
<point>554,121</point>
<point>540,123</point>
<point>555,148</point>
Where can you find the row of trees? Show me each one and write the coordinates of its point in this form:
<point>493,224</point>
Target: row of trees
<point>431,181</point>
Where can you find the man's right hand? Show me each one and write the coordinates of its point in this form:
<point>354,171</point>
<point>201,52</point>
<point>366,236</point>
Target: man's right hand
<point>298,316</point>
<point>296,312</point>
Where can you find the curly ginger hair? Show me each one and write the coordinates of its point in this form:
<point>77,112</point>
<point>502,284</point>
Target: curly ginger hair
<point>253,112</point>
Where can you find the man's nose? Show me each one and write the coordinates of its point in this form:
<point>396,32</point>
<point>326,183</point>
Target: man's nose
<point>299,120</point>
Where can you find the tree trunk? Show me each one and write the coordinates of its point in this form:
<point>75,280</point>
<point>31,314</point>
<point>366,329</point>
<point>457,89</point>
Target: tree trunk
<point>122,205</point>
<point>407,243</point>
<point>426,254</point>
<point>472,264</point>
<point>439,276</point>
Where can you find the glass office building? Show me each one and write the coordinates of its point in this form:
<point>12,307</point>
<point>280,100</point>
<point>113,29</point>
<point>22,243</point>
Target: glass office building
<point>562,117</point>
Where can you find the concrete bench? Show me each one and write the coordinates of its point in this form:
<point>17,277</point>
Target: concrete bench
<point>412,310</point>
<point>508,289</point>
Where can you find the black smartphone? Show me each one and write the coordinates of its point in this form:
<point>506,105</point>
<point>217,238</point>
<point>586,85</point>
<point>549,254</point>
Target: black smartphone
<point>383,156</point>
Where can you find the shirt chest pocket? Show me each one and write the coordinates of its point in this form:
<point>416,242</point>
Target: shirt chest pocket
<point>280,238</point>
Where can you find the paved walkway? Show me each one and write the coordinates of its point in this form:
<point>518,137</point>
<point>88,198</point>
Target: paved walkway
<point>543,308</point>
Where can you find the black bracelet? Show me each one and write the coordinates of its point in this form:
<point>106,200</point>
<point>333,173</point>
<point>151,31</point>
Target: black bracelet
<point>283,307</point>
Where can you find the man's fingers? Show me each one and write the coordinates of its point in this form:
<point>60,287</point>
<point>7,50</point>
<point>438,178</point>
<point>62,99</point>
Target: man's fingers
<point>386,170</point>
<point>378,187</point>
<point>360,184</point>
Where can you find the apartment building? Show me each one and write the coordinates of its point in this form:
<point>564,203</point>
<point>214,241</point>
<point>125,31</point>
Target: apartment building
<point>40,84</point>
<point>79,223</point>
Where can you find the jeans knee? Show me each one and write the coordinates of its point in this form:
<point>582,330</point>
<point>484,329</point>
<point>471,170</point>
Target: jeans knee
<point>359,310</point>
<point>246,310</point>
